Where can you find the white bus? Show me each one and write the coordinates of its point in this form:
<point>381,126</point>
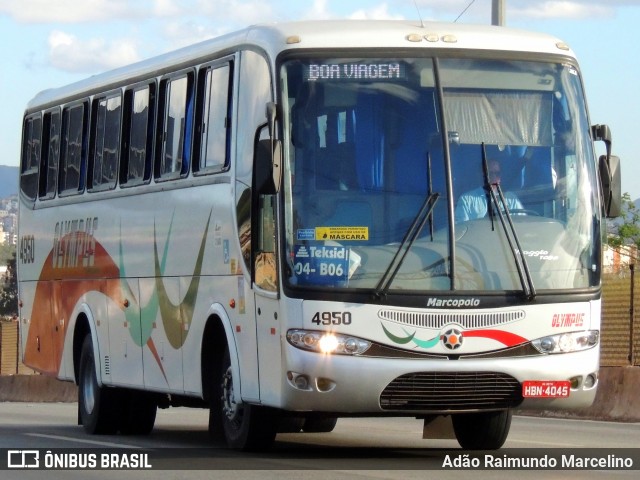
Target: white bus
<point>269,225</point>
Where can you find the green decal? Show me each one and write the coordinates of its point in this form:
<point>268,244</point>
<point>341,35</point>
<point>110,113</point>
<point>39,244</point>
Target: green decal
<point>399,340</point>
<point>411,337</point>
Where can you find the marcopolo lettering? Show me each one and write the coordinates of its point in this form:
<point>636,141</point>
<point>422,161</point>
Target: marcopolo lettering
<point>453,302</point>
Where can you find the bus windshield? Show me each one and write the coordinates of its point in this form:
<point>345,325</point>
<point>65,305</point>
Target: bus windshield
<point>438,174</point>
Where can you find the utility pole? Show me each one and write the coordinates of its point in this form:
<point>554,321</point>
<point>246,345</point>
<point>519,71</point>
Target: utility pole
<point>497,12</point>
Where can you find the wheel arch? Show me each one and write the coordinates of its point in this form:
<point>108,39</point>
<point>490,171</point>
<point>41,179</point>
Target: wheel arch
<point>217,335</point>
<point>85,325</point>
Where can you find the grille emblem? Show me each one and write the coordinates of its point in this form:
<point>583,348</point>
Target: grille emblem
<point>452,338</point>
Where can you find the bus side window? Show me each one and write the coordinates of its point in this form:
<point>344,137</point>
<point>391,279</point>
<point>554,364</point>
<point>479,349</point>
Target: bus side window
<point>212,135</point>
<point>177,123</point>
<point>74,149</point>
<point>50,154</point>
<point>137,128</point>
<point>31,156</point>
<point>105,144</point>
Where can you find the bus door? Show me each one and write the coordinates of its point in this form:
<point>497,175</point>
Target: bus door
<point>267,304</point>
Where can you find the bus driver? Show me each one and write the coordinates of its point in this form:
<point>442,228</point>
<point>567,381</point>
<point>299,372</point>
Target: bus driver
<point>473,204</point>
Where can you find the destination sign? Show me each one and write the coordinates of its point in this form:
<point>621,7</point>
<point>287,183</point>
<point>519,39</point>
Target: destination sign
<point>355,71</point>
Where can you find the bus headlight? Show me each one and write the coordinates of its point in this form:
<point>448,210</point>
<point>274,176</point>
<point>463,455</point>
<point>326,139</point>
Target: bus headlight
<point>567,342</point>
<point>327,342</point>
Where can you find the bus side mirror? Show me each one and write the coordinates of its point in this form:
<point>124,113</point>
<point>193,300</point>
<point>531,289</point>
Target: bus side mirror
<point>610,178</point>
<point>611,185</point>
<point>602,133</point>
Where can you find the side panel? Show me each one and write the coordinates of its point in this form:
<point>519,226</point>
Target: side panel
<point>37,326</point>
<point>123,349</point>
<point>162,352</point>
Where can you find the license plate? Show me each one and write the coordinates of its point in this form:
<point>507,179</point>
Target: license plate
<point>546,388</point>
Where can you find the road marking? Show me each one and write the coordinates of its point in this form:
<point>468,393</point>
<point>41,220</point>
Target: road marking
<point>81,440</point>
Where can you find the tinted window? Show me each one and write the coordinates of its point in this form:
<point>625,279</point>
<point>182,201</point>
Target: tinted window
<point>106,149</point>
<point>50,154</point>
<point>177,127</point>
<point>215,92</point>
<point>138,125</point>
<point>73,149</point>
<point>31,156</point>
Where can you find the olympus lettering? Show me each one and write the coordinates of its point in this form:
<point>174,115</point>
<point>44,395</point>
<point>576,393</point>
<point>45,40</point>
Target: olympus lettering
<point>453,302</point>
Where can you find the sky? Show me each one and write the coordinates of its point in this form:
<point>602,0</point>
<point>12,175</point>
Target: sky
<point>49,43</point>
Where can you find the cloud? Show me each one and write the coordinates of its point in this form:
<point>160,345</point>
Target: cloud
<point>70,11</point>
<point>236,13</point>
<point>68,53</point>
<point>521,9</point>
<point>558,9</point>
<point>183,32</point>
<point>379,12</point>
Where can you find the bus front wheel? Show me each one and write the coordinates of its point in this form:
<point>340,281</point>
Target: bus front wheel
<point>98,406</point>
<point>245,426</point>
<point>482,431</point>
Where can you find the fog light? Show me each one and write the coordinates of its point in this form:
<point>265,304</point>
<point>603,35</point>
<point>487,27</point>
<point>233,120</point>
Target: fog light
<point>302,382</point>
<point>575,382</point>
<point>325,385</point>
<point>590,381</point>
<point>298,380</point>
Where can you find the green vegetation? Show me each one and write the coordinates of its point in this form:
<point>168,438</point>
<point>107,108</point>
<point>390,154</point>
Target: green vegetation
<point>9,292</point>
<point>6,252</point>
<point>626,229</point>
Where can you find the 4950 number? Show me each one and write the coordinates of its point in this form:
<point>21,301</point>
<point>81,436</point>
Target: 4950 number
<point>27,249</point>
<point>332,318</point>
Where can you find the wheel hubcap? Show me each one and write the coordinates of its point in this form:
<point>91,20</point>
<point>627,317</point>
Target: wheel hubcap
<point>229,405</point>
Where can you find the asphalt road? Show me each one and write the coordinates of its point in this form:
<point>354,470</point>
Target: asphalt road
<point>381,448</point>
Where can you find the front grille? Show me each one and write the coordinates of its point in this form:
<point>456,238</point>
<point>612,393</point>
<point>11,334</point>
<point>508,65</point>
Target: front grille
<point>458,391</point>
<point>467,320</point>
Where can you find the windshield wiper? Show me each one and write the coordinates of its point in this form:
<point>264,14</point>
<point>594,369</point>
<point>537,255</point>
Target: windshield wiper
<point>425,212</point>
<point>509,228</point>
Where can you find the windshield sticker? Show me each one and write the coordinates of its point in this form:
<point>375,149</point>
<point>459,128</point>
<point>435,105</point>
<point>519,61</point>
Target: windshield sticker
<point>540,254</point>
<point>321,265</point>
<point>342,233</point>
<point>306,234</point>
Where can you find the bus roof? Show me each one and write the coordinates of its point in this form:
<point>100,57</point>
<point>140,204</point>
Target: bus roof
<point>331,34</point>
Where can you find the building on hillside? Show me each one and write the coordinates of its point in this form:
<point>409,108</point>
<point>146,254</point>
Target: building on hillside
<point>615,258</point>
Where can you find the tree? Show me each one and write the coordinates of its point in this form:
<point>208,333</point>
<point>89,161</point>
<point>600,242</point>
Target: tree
<point>9,293</point>
<point>6,250</point>
<point>626,229</point>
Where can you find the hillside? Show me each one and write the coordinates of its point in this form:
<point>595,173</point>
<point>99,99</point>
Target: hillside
<point>8,181</point>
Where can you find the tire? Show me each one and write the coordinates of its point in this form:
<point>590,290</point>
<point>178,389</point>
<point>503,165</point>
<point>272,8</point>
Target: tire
<point>98,406</point>
<point>482,431</point>
<point>138,413</point>
<point>320,424</point>
<point>244,426</point>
